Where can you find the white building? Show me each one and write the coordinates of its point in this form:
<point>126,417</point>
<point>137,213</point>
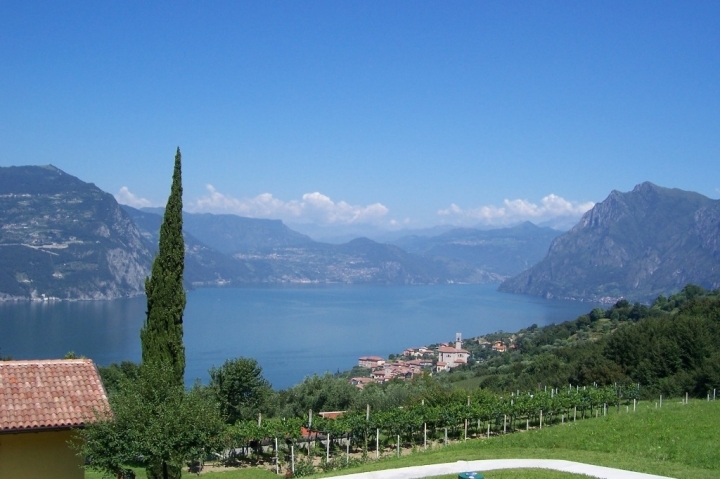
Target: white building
<point>452,357</point>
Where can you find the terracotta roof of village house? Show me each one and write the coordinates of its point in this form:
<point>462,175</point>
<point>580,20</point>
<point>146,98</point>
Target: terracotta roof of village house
<point>49,394</point>
<point>450,349</point>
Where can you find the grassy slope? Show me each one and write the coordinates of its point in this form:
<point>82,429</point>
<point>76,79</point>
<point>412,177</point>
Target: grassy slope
<point>677,441</point>
<point>676,434</point>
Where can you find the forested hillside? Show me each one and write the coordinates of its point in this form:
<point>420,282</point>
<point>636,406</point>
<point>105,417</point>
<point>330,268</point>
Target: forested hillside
<point>670,347</point>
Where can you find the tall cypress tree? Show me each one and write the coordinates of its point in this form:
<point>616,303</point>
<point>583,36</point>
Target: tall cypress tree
<point>162,334</point>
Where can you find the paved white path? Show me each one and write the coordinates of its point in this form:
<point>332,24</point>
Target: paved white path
<point>492,464</point>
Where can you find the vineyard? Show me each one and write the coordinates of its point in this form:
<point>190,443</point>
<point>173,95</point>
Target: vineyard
<point>456,417</point>
<point>677,440</point>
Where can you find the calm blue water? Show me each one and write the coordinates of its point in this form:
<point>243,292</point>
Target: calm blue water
<point>292,331</point>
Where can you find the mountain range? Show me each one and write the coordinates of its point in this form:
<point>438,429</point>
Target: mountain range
<point>227,249</point>
<point>503,251</point>
<point>61,237</point>
<point>64,238</point>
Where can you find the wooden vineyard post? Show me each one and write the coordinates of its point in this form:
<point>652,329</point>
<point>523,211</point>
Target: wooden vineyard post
<point>309,430</point>
<point>466,420</point>
<point>367,421</point>
<point>377,443</point>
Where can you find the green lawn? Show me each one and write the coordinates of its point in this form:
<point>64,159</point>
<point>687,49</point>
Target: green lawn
<point>678,441</point>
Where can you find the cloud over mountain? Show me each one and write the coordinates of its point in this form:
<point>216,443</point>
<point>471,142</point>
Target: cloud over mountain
<point>551,206</point>
<point>126,197</point>
<point>314,207</point>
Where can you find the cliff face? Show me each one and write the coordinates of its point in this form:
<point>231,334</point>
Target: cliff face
<point>67,239</point>
<point>637,245</point>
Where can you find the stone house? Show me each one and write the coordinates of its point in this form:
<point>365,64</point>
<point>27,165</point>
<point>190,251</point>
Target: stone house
<point>452,357</point>
<point>370,361</point>
<point>499,346</point>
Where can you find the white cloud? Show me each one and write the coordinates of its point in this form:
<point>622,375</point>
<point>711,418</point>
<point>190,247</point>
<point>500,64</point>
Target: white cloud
<point>126,197</point>
<point>314,207</point>
<point>551,206</point>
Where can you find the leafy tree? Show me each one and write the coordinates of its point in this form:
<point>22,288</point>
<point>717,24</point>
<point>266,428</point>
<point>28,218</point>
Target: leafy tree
<point>154,419</point>
<point>161,336</point>
<point>113,374</point>
<point>319,393</point>
<point>241,389</point>
<point>382,396</point>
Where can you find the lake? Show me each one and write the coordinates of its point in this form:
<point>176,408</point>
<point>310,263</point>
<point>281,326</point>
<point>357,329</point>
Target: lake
<point>292,331</point>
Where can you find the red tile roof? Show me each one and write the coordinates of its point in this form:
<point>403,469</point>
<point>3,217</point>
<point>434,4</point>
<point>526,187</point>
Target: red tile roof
<point>450,349</point>
<point>49,394</point>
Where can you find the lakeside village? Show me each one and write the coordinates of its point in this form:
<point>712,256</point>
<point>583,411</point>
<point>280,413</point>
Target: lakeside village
<point>435,358</point>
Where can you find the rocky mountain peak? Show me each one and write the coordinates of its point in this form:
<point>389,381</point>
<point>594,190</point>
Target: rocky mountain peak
<point>639,244</point>
<point>646,187</point>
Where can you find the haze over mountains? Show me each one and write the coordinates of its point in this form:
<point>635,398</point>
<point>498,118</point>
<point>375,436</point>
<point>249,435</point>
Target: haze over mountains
<point>267,251</point>
<point>64,238</point>
<point>503,251</point>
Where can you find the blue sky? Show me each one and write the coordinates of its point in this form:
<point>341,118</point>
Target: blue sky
<point>385,114</point>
